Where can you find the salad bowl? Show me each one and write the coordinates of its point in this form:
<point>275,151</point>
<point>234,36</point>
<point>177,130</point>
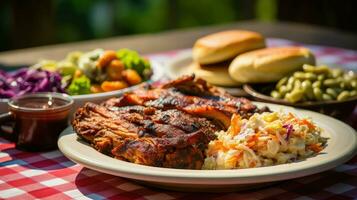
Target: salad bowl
<point>79,100</point>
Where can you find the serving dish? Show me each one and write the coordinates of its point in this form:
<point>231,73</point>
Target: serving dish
<point>99,97</point>
<point>341,147</point>
<point>343,110</point>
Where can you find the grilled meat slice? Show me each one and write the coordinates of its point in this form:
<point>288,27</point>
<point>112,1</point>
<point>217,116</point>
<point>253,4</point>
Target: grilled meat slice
<point>201,100</point>
<point>101,128</point>
<point>191,86</point>
<point>165,125</point>
<point>183,151</point>
<point>174,100</point>
<point>145,135</point>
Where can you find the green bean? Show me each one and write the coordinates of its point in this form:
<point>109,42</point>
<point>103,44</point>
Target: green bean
<point>330,82</point>
<point>307,86</point>
<point>317,84</point>
<point>308,68</point>
<point>326,97</point>
<point>348,77</point>
<point>289,87</point>
<point>282,82</point>
<point>343,85</point>
<point>317,93</point>
<point>294,96</point>
<point>331,92</point>
<point>343,95</point>
<point>349,84</point>
<point>283,90</point>
<point>321,77</point>
<point>340,79</point>
<point>290,84</point>
<point>299,75</point>
<point>297,84</point>
<point>275,94</point>
<point>316,70</point>
<point>310,76</point>
<point>336,73</point>
<point>353,93</point>
<point>291,80</point>
<point>354,84</point>
<point>323,69</point>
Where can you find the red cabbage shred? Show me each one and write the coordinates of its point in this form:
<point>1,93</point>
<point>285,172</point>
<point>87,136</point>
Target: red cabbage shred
<point>27,80</point>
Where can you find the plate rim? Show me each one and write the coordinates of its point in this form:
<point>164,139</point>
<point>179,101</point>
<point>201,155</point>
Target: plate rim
<point>180,57</point>
<point>220,177</point>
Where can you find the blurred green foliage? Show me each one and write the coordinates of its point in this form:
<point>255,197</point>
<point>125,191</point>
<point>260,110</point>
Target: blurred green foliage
<point>266,10</point>
<point>90,19</point>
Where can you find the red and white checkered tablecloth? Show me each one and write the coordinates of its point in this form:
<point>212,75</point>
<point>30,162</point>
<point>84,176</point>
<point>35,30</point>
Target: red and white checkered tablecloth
<point>50,175</point>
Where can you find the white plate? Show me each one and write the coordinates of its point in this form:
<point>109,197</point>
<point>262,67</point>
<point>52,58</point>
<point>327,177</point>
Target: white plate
<point>341,147</point>
<point>79,100</point>
<point>180,65</point>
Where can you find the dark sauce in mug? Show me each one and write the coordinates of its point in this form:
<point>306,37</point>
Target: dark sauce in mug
<point>40,103</point>
<point>39,121</point>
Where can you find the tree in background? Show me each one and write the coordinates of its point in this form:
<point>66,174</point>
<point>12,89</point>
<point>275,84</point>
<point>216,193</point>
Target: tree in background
<point>40,22</point>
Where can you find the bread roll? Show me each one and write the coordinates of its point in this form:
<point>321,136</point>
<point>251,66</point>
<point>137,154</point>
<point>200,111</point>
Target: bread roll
<point>216,74</point>
<point>219,47</point>
<point>269,64</point>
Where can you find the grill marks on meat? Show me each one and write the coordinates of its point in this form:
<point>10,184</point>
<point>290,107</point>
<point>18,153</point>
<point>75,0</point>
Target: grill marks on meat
<point>170,99</point>
<point>184,151</point>
<point>145,135</point>
<point>154,120</point>
<point>212,103</point>
<point>168,125</point>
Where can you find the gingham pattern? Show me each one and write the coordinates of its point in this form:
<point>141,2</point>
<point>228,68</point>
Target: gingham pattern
<point>50,175</point>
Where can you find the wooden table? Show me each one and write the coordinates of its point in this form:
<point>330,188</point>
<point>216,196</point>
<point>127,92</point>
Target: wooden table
<point>178,39</point>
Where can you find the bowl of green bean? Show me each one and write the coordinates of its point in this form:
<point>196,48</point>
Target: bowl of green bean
<point>331,91</point>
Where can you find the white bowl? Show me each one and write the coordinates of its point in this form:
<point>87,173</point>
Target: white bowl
<point>79,100</point>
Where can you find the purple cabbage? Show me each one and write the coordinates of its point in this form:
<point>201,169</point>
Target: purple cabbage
<point>27,80</point>
<point>289,128</point>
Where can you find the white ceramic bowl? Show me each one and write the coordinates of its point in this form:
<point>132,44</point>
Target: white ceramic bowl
<point>79,100</point>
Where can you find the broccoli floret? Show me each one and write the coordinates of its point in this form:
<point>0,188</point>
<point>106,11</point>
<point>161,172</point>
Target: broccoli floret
<point>132,60</point>
<point>80,85</point>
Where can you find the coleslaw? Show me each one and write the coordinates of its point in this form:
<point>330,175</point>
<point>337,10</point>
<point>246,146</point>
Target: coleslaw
<point>263,140</point>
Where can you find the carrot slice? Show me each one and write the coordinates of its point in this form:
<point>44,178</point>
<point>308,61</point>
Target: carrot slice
<point>315,147</point>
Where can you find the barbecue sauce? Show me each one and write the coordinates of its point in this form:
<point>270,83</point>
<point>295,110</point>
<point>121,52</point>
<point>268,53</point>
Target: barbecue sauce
<point>39,121</point>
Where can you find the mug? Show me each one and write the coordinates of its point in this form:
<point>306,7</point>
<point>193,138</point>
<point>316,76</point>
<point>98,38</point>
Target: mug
<point>38,119</point>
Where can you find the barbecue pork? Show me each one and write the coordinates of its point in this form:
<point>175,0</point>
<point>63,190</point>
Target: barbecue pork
<point>165,125</point>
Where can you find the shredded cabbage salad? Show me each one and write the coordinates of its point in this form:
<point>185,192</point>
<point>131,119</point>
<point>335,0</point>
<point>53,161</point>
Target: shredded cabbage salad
<point>27,80</point>
<point>263,140</point>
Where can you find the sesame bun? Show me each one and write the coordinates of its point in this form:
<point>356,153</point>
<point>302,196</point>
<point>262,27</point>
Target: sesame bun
<point>221,46</point>
<point>269,64</point>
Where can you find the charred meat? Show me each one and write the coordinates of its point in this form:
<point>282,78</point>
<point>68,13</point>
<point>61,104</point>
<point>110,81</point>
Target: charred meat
<point>167,125</point>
